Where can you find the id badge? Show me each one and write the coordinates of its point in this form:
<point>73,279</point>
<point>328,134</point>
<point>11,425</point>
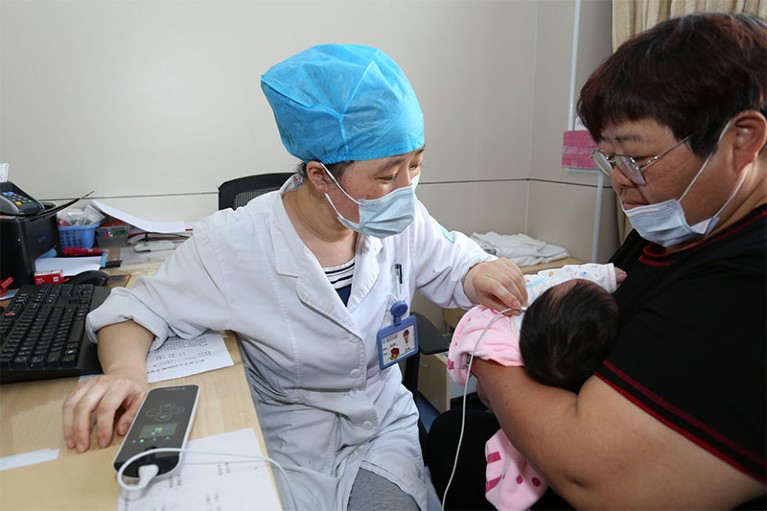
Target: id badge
<point>397,341</point>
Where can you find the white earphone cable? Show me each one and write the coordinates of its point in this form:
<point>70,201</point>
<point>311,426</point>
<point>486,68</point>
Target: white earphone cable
<point>465,392</point>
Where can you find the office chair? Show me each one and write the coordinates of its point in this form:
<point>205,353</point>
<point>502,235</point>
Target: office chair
<point>239,191</point>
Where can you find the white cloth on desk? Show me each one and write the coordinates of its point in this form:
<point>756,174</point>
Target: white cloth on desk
<point>520,248</point>
<point>325,407</point>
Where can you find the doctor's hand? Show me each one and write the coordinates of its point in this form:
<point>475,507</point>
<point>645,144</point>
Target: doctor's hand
<point>114,398</point>
<point>111,399</point>
<point>497,284</point>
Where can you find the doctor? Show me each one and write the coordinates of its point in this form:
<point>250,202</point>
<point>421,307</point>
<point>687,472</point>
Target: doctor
<point>308,277</point>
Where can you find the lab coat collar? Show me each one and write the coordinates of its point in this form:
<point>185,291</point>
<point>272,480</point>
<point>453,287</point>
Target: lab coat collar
<point>293,259</point>
<point>366,269</point>
<point>287,244</point>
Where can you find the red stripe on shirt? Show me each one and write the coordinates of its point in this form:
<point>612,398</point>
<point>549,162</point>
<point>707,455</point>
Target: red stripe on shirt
<point>683,415</point>
<point>689,436</point>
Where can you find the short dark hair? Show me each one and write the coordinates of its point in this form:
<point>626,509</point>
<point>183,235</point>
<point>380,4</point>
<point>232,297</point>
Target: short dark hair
<point>692,73</point>
<point>566,335</point>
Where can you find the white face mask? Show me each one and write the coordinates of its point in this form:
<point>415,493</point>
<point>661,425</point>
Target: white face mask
<point>384,216</point>
<point>665,224</point>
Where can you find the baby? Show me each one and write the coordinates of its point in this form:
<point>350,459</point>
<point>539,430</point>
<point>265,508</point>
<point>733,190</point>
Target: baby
<point>568,328</point>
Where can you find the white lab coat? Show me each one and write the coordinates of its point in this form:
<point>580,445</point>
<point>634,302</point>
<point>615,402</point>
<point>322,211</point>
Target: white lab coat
<point>326,409</point>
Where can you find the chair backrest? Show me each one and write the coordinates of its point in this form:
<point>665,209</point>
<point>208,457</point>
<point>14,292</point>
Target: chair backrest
<point>239,191</point>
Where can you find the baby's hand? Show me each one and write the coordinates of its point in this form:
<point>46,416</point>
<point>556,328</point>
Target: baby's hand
<point>620,275</point>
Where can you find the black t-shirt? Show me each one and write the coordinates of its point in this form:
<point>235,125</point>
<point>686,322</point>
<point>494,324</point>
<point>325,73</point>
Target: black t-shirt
<point>692,345</point>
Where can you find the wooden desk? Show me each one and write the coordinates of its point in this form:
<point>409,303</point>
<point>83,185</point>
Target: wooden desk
<point>30,419</point>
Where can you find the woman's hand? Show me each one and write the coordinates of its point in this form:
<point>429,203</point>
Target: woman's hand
<point>112,399</point>
<point>497,284</point>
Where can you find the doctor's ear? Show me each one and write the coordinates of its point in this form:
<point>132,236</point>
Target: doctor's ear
<point>321,179</point>
<point>318,177</point>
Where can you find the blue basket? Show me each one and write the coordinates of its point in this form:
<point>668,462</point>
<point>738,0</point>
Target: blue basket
<point>77,236</point>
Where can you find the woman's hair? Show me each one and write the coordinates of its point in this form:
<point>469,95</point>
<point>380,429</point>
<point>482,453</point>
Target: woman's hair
<point>692,73</point>
<point>566,333</point>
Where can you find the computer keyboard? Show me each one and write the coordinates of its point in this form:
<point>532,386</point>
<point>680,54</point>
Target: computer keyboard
<point>42,332</point>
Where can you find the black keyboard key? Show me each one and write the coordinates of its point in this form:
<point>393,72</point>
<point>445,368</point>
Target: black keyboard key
<point>20,361</point>
<point>54,357</point>
<point>77,332</point>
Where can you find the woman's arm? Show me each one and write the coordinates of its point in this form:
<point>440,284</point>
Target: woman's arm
<point>115,397</point>
<point>599,450</point>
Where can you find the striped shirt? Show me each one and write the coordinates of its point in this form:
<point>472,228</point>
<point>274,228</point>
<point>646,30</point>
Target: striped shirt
<point>340,278</point>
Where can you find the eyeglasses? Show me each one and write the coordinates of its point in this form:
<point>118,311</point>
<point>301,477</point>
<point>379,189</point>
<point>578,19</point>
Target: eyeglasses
<point>628,165</point>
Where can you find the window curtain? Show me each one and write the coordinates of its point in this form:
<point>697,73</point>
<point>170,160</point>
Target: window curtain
<point>631,17</point>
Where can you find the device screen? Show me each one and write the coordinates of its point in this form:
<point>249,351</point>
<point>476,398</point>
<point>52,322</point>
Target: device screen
<point>157,430</point>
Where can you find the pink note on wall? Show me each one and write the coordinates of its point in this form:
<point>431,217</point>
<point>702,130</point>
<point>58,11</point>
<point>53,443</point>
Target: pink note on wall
<point>576,147</point>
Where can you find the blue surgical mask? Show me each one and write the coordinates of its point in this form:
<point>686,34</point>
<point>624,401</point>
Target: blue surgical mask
<point>384,216</point>
<point>664,223</point>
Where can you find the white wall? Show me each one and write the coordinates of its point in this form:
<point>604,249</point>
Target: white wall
<point>158,98</point>
<point>153,104</point>
<point>562,202</point>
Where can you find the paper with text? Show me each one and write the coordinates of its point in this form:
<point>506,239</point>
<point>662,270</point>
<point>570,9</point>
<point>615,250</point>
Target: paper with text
<point>212,481</point>
<point>178,357</point>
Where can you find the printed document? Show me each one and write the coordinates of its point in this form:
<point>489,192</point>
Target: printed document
<point>178,357</point>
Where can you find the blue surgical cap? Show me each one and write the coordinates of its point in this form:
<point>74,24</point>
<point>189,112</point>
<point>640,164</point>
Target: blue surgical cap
<point>343,102</point>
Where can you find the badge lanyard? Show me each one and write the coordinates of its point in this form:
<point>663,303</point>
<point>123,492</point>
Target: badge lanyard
<point>399,340</point>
